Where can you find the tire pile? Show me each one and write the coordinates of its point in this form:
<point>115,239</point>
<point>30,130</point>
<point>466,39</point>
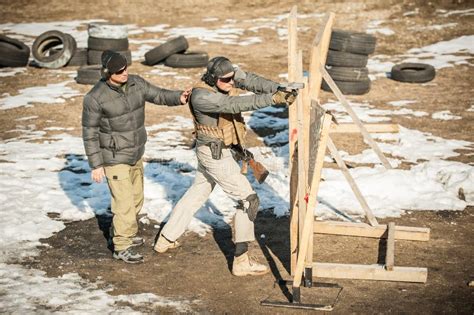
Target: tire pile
<point>347,61</point>
<point>102,37</point>
<point>174,54</point>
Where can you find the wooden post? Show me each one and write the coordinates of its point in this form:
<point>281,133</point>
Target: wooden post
<point>316,177</point>
<point>352,183</point>
<point>292,129</point>
<point>302,150</point>
<point>309,216</point>
<point>307,180</point>
<point>318,56</point>
<point>319,52</point>
<point>354,117</point>
<point>390,256</point>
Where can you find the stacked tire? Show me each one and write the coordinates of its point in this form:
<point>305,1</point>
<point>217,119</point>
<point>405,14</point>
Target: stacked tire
<point>55,49</point>
<point>347,61</point>
<point>102,37</point>
<point>13,53</point>
<point>174,54</point>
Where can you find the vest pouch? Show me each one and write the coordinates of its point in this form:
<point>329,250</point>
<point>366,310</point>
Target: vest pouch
<point>228,134</point>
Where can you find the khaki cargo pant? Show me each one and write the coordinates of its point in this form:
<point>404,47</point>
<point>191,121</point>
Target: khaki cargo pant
<point>224,172</point>
<point>126,187</point>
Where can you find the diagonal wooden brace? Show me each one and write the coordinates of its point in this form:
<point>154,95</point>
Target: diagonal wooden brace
<point>352,183</point>
<point>354,117</point>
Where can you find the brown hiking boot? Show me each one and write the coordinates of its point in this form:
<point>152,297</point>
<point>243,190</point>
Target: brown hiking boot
<point>162,245</point>
<point>246,266</point>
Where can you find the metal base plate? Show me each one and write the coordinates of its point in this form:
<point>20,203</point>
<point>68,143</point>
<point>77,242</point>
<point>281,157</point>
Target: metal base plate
<point>295,300</point>
<point>316,307</point>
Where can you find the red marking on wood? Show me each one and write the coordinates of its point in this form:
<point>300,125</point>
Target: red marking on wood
<point>306,198</point>
<point>294,133</point>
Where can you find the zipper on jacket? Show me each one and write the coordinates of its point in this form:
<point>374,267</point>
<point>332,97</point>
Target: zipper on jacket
<point>113,145</point>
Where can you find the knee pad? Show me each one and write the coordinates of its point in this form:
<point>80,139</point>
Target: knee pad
<point>250,205</point>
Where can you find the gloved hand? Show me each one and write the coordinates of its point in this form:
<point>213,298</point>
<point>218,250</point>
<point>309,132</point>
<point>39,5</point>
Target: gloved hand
<point>284,97</point>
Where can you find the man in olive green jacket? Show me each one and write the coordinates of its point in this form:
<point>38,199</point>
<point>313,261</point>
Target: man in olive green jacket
<point>114,138</point>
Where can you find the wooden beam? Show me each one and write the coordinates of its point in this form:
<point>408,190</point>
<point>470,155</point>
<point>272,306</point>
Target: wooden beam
<point>315,180</point>
<point>303,248</point>
<point>301,149</point>
<point>390,254</point>
<point>319,52</point>
<point>369,272</point>
<point>354,117</point>
<point>306,112</point>
<point>365,230</point>
<point>371,128</point>
<point>292,114</point>
<point>352,183</point>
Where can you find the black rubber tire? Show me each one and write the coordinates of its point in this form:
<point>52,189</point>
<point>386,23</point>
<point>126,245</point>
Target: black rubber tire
<point>348,74</point>
<point>160,53</point>
<point>349,88</point>
<point>353,42</point>
<point>413,72</point>
<point>13,53</point>
<point>346,59</point>
<point>94,56</point>
<point>79,58</point>
<point>88,74</point>
<point>107,30</point>
<point>48,40</point>
<point>115,44</point>
<point>188,59</point>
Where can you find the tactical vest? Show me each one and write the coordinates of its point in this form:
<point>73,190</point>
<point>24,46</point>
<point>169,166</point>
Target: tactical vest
<point>230,127</point>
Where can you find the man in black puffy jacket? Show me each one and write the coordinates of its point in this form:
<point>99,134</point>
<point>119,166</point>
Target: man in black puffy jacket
<point>114,135</point>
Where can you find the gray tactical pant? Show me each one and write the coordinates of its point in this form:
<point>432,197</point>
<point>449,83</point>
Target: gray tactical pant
<point>224,172</point>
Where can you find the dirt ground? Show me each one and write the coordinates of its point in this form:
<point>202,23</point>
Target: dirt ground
<point>200,269</point>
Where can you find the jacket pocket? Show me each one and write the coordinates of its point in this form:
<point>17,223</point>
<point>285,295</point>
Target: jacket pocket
<point>123,140</point>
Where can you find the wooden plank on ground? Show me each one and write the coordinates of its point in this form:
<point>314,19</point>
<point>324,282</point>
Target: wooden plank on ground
<point>354,117</point>
<point>371,128</point>
<point>390,254</point>
<point>369,272</point>
<point>365,230</point>
<point>292,115</point>
<point>352,183</point>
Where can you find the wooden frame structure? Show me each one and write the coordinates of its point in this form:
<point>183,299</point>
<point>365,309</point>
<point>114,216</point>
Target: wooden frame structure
<point>309,136</point>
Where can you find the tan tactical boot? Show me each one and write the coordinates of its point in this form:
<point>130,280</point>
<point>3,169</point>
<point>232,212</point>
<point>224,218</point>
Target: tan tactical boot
<point>246,266</point>
<point>162,245</point>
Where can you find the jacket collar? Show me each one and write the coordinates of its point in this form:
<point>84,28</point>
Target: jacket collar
<point>130,82</point>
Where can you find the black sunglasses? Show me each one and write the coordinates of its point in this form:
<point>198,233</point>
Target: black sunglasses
<point>226,80</point>
<point>121,71</point>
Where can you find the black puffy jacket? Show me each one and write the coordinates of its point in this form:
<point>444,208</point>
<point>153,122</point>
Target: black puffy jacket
<point>113,120</point>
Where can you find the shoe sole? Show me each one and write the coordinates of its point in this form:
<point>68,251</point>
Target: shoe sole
<point>162,251</point>
<point>129,261</point>
<point>261,273</point>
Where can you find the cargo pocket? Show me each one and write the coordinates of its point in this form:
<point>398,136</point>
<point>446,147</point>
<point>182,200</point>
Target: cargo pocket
<point>117,172</point>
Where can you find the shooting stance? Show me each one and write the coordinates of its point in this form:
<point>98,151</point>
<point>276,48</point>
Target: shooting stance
<point>220,132</point>
<point>114,137</point>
